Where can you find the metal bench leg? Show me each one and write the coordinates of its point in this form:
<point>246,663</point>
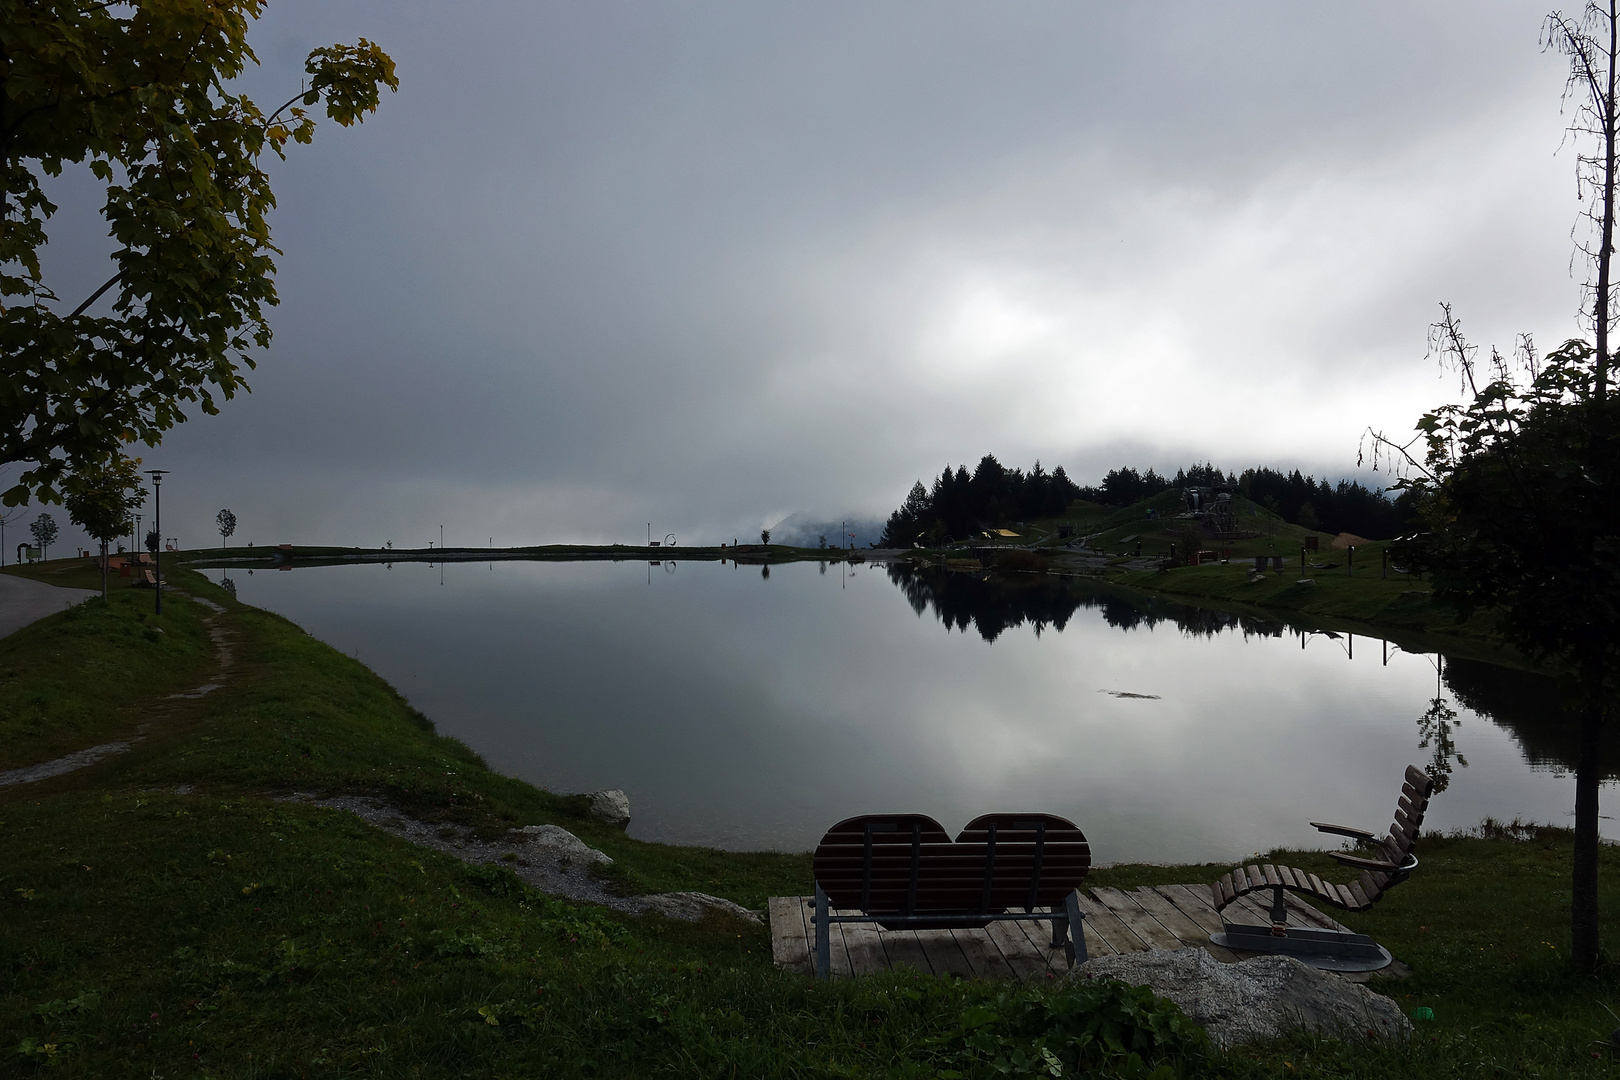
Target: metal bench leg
<point>1076,928</point>
<point>823,935</point>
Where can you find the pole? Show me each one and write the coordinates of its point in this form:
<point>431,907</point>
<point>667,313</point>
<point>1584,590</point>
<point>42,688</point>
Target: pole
<point>441,537</point>
<point>157,556</point>
<point>157,476</point>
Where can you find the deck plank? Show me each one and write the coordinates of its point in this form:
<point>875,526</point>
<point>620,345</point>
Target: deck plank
<point>1120,938</point>
<point>905,950</point>
<point>790,946</point>
<point>944,954</point>
<point>1298,908</point>
<point>1171,917</point>
<point>983,955</point>
<point>1194,917</point>
<point>1164,916</point>
<point>867,955</point>
<point>1025,962</point>
<point>1039,936</point>
<point>1132,914</point>
<point>1194,903</point>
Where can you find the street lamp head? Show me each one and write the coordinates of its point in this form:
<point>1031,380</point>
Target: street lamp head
<point>157,475</point>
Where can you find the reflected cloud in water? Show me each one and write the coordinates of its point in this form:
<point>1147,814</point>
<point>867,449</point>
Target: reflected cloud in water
<point>751,710</point>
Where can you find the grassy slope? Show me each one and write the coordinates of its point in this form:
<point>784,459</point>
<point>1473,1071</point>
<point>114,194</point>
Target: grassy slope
<point>87,676</point>
<point>166,914</point>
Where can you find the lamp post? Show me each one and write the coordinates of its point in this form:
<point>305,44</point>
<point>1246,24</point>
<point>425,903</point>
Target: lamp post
<point>157,476</point>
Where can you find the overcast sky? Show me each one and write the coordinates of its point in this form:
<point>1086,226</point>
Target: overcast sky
<point>706,265</point>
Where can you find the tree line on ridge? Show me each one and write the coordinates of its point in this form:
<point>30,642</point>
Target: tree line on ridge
<point>960,503</point>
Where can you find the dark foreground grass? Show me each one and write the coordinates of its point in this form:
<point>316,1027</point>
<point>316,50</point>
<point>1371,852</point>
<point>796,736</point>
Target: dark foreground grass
<point>171,913</point>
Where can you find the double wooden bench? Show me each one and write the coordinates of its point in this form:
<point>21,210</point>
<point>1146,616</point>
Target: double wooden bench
<point>903,871</point>
<point>1394,863</point>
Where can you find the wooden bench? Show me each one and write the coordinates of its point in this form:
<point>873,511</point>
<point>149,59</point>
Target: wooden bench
<point>1375,877</point>
<point>902,871</point>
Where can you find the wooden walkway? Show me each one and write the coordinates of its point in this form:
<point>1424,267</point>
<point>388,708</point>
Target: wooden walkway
<point>1158,917</point>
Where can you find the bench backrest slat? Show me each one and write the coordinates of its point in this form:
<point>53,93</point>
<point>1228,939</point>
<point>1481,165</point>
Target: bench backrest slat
<point>907,865</point>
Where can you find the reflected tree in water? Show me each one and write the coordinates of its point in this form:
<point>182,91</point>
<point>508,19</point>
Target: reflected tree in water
<point>1435,726</point>
<point>1531,709</point>
<point>993,604</point>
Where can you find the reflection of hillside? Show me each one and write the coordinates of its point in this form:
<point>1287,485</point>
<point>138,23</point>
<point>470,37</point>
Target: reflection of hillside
<point>1526,705</point>
<point>1530,708</point>
<point>996,603</point>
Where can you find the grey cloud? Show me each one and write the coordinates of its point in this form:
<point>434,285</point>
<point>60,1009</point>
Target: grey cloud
<point>721,263</point>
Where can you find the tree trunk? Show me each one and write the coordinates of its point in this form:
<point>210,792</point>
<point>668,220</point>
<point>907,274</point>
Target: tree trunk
<point>1584,941</point>
<point>104,570</point>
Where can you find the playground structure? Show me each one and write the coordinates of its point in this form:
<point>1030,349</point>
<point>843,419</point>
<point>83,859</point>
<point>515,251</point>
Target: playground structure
<point>1214,509</point>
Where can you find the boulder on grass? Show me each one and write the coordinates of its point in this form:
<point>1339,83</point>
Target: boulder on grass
<point>692,906</point>
<point>556,842</point>
<point>1259,998</point>
<point>611,806</point>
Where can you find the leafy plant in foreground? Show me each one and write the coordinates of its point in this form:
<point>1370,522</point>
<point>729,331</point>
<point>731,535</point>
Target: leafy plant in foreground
<point>1022,1031</point>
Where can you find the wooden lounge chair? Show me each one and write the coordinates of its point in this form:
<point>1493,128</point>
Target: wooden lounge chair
<point>902,871</point>
<point>1325,948</point>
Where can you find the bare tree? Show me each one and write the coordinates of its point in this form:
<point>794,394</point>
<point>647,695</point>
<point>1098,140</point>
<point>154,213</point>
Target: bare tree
<point>1518,486</point>
<point>1590,45</point>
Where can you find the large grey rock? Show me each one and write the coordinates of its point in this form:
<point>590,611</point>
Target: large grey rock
<point>556,842</point>
<point>692,906</point>
<point>611,806</point>
<point>1259,998</point>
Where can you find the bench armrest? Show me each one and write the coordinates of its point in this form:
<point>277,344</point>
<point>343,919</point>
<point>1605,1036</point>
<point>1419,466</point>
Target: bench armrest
<point>1365,864</point>
<point>1345,830</point>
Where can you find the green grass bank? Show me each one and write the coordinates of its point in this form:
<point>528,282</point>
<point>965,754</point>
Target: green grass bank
<point>171,912</point>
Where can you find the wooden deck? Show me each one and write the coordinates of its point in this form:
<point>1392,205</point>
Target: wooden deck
<point>1160,917</point>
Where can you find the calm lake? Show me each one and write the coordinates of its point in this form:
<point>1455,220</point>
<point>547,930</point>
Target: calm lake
<point>751,710</point>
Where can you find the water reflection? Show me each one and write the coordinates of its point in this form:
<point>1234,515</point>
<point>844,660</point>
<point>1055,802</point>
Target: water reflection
<point>1435,727</point>
<point>1533,709</point>
<point>992,604</point>
<point>751,711</point>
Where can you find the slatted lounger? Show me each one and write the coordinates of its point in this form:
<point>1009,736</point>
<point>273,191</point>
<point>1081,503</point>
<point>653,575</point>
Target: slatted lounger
<point>902,871</point>
<point>1326,948</point>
